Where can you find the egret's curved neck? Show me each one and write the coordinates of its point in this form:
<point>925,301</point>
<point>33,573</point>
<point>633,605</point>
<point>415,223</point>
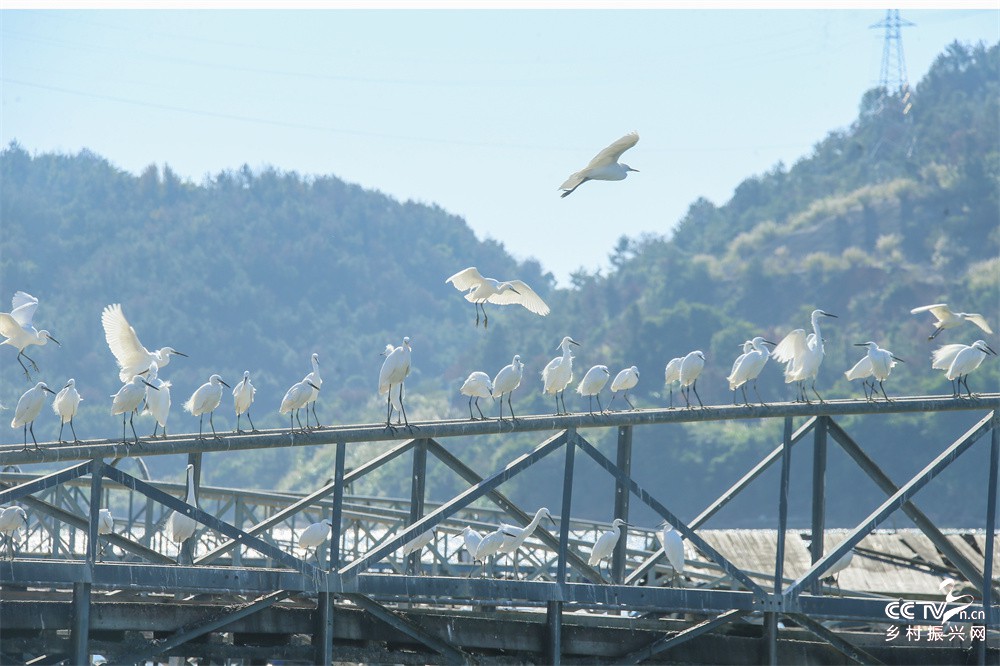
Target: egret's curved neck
<point>191,498</point>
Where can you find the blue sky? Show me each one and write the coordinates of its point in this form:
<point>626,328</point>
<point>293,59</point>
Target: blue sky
<point>483,112</point>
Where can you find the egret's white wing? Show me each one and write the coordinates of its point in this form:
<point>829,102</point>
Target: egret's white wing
<point>121,337</point>
<point>611,154</point>
<point>466,279</point>
<point>573,181</point>
<point>526,297</point>
<point>980,321</point>
<point>944,356</point>
<point>8,325</point>
<point>861,369</point>
<point>673,546</point>
<point>23,307</point>
<point>938,309</point>
<point>793,344</point>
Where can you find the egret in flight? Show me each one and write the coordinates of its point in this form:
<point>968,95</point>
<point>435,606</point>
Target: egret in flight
<point>132,357</point>
<point>127,401</point>
<point>592,383</point>
<point>394,370</point>
<point>604,166</point>
<point>802,356</point>
<point>508,379</point>
<point>243,395</point>
<point>64,405</point>
<point>945,318</point>
<point>481,290</point>
<point>18,330</point>
<point>204,401</point>
<point>27,410</point>
<point>624,381</point>
<point>559,373</point>
<point>958,361</point>
<point>476,386</point>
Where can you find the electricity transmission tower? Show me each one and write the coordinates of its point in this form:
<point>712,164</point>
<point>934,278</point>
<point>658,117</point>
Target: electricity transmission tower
<point>892,78</point>
<point>895,99</point>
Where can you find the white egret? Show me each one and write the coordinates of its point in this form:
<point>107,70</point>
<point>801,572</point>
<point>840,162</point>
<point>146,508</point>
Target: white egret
<point>559,373</point>
<point>489,546</point>
<point>592,383</point>
<point>29,406</point>
<point>471,539</point>
<point>394,371</point>
<point>243,394</point>
<point>515,536</point>
<point>691,367</point>
<point>18,330</point>
<point>748,367</point>
<point>105,525</point>
<point>802,355</point>
<point>12,518</point>
<point>964,361</point>
<point>481,290</point>
<point>314,535</point>
<point>204,401</point>
<point>394,405</point>
<point>838,566</point>
<point>672,374</point>
<point>862,370</point>
<point>476,386</point>
<point>882,363</point>
<point>604,166</point>
<point>65,404</point>
<point>314,379</point>
<point>624,381</point>
<point>127,401</point>
<point>132,357</point>
<point>416,543</point>
<point>945,318</point>
<point>157,399</point>
<point>673,546</point>
<point>182,526</point>
<point>508,379</point>
<point>294,400</point>
<point>606,542</point>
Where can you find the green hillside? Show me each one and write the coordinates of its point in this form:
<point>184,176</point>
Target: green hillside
<point>256,270</point>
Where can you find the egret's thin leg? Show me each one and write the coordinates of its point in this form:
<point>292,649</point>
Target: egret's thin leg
<point>694,386</point>
<point>630,405</point>
<point>314,414</point>
<point>30,360</point>
<point>599,403</point>
<point>815,391</point>
<point>211,423</point>
<point>252,428</point>
<point>61,424</point>
<point>883,391</point>
<point>745,400</point>
<point>935,333</point>
<point>613,396</point>
<point>25,437</point>
<point>472,417</point>
<point>762,403</point>
<point>132,424</point>
<point>24,367</point>
<point>75,438</point>
<point>200,417</point>
<point>123,429</point>
<point>480,410</point>
<point>156,426</point>
<point>684,394</point>
<point>512,417</point>
<point>557,405</point>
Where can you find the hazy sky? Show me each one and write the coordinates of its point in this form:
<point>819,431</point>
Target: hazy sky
<point>483,112</point>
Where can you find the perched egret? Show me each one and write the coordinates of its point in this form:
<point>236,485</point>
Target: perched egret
<point>126,402</point>
<point>65,404</point>
<point>18,330</point>
<point>316,380</point>
<point>204,401</point>
<point>12,518</point>
<point>882,363</point>
<point>958,361</point>
<point>394,405</point>
<point>243,395</point>
<point>515,536</point>
<point>476,386</point>
<point>624,381</point>
<point>481,290</point>
<point>591,384</point>
<point>945,318</point>
<point>604,166</point>
<point>691,366</point>
<point>802,355</point>
<point>748,367</point>
<point>295,399</point>
<point>508,379</point>
<point>182,526</point>
<point>672,374</point>
<point>314,535</point>
<point>838,566</point>
<point>105,525</point>
<point>606,542</point>
<point>157,399</point>
<point>559,373</point>
<point>862,370</point>
<point>416,543</point>
<point>471,539</point>
<point>394,370</point>
<point>132,357</point>
<point>28,408</point>
<point>673,546</point>
<point>490,545</point>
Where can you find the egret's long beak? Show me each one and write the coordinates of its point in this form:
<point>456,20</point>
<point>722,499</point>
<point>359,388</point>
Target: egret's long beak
<point>53,339</point>
<point>574,342</point>
<point>990,350</point>
<point>827,314</point>
<point>181,354</point>
<point>46,388</point>
<point>631,169</point>
<point>859,344</point>
<point>313,385</point>
<point>225,384</point>
<point>773,344</point>
<point>896,358</point>
<point>515,291</point>
<point>552,520</point>
<point>155,388</point>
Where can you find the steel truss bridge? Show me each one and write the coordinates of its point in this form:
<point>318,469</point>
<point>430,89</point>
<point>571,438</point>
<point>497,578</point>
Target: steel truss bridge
<point>246,593</point>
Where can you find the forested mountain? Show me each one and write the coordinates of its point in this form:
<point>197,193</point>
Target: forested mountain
<point>257,270</point>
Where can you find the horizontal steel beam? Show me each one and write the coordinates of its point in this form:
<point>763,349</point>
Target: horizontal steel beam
<point>13,454</point>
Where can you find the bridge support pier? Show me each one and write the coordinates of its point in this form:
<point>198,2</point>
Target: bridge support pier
<point>816,544</point>
<point>622,494</point>
<point>553,623</point>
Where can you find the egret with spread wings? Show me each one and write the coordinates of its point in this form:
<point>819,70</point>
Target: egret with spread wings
<point>945,318</point>
<point>18,330</point>
<point>604,166</point>
<point>132,357</point>
<point>482,290</point>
